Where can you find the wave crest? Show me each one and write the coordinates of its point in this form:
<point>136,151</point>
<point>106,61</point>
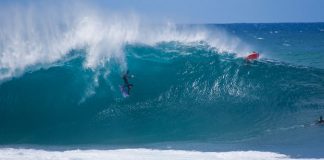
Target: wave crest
<point>36,37</point>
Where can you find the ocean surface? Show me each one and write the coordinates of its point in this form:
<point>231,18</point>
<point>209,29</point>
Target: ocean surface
<point>194,95</point>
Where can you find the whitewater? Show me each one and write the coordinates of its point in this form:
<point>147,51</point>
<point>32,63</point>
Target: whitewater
<point>194,95</point>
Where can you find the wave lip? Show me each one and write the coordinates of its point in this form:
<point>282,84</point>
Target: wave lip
<point>133,154</point>
<point>32,37</point>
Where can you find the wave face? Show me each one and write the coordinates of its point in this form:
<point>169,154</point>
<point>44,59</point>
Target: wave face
<point>60,81</point>
<point>182,92</point>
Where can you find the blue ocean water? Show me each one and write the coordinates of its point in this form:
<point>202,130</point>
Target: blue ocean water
<point>193,90</point>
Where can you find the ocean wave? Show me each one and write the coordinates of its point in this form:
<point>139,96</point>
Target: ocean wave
<point>252,98</point>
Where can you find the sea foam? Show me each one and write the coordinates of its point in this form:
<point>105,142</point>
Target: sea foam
<point>36,35</point>
<point>134,154</point>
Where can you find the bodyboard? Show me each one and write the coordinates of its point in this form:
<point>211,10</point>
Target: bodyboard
<point>123,91</point>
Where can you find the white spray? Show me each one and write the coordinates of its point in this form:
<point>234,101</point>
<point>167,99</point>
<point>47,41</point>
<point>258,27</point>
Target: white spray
<point>37,35</point>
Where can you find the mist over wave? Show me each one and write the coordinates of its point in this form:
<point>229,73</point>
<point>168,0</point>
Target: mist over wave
<point>37,35</point>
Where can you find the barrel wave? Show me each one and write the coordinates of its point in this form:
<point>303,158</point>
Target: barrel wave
<point>181,92</point>
<point>61,71</point>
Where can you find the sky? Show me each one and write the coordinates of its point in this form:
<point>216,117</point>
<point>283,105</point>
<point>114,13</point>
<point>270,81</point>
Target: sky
<point>225,11</point>
<point>214,11</point>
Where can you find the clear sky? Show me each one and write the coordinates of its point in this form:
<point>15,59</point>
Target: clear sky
<point>215,11</point>
<point>224,11</point>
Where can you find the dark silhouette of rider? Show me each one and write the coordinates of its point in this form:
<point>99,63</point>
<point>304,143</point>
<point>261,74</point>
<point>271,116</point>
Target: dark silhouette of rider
<point>320,121</point>
<point>126,83</point>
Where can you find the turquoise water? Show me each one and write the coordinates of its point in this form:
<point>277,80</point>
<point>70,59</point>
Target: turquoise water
<point>186,95</point>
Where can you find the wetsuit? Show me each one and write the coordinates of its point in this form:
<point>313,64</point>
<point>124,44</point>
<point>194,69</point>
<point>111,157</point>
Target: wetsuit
<point>126,83</point>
